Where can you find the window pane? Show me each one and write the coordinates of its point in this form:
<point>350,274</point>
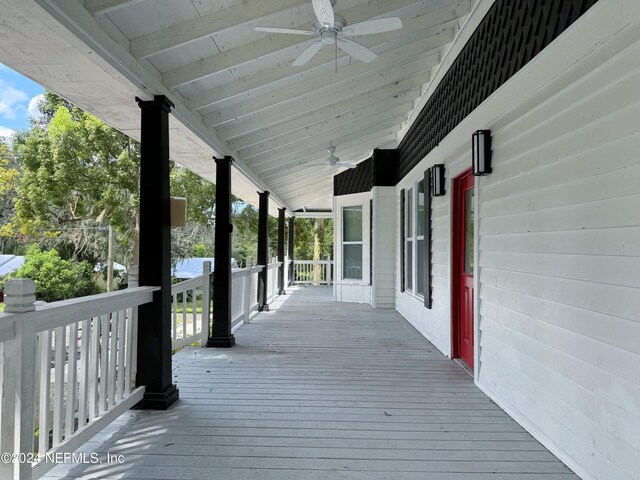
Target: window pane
<point>409,269</point>
<point>409,210</point>
<point>420,218</point>
<point>468,232</point>
<point>352,224</point>
<point>352,263</point>
<point>420,266</point>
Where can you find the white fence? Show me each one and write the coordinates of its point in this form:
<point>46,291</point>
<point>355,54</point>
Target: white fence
<point>191,309</point>
<point>272,281</point>
<point>310,272</point>
<point>68,370</point>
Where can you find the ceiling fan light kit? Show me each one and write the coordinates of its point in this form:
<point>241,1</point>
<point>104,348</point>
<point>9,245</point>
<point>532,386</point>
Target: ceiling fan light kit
<point>334,30</point>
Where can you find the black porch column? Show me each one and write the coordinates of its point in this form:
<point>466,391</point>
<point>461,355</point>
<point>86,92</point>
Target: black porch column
<point>263,249</point>
<point>290,246</point>
<point>154,319</point>
<point>281,221</point>
<point>220,335</point>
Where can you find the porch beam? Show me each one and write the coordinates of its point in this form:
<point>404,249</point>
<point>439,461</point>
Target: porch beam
<point>281,226</point>
<point>221,336</point>
<point>154,319</point>
<point>263,248</point>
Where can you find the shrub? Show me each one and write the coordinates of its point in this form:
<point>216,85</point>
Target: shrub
<point>56,278</point>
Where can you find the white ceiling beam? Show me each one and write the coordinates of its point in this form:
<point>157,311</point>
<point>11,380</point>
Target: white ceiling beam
<point>313,123</point>
<point>433,13</point>
<point>293,100</point>
<point>365,116</point>
<point>102,7</point>
<point>192,30</point>
<point>328,214</point>
<point>319,75</point>
<point>334,137</point>
<point>309,112</point>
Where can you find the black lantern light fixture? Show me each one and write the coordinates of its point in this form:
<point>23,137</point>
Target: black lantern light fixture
<point>481,152</point>
<point>437,180</point>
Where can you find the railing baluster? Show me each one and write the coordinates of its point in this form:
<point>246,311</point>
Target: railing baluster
<point>83,386</point>
<point>194,303</point>
<point>120,378</point>
<point>45,393</point>
<point>113,346</point>
<point>94,368</point>
<point>129,351</point>
<point>174,310</point>
<point>104,363</point>
<point>184,314</point>
<point>72,366</point>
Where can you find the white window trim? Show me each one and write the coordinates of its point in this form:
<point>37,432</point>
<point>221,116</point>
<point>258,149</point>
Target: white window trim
<point>413,240</point>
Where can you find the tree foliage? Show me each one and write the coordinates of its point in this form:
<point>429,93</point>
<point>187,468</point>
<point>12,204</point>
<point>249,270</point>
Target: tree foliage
<point>56,278</point>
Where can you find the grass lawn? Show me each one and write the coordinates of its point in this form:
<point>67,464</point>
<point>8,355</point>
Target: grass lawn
<point>1,307</point>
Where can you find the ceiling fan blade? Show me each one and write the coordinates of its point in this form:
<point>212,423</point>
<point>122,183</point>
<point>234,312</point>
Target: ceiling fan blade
<point>345,165</point>
<point>284,30</point>
<point>368,27</point>
<point>356,50</point>
<point>308,53</point>
<point>324,11</point>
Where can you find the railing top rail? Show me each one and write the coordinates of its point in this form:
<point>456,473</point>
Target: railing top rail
<point>240,272</point>
<point>188,283</point>
<point>66,312</point>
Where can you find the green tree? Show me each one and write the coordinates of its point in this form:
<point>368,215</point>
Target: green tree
<point>56,278</point>
<point>9,177</point>
<point>79,176</point>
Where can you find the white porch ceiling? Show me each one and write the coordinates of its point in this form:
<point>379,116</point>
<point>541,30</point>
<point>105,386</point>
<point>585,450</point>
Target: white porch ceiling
<point>235,90</point>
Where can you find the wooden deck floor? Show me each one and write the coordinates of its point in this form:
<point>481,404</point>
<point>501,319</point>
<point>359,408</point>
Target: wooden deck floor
<point>321,390</point>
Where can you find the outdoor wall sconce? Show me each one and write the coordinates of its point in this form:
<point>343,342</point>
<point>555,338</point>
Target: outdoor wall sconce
<point>437,180</point>
<point>178,212</point>
<point>481,152</point>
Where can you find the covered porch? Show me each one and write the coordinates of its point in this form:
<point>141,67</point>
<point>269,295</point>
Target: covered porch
<point>318,389</point>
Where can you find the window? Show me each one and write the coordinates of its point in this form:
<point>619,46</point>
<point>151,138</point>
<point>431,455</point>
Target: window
<point>420,240</point>
<point>352,243</point>
<point>409,241</point>
<point>414,224</point>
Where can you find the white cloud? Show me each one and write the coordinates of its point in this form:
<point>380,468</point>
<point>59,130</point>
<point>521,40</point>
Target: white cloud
<point>34,108</point>
<point>6,133</point>
<point>12,101</point>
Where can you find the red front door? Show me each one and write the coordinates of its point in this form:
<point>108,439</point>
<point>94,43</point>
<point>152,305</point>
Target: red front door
<point>463,195</point>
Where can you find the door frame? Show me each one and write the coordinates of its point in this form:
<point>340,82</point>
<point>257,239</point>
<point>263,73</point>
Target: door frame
<point>456,248</point>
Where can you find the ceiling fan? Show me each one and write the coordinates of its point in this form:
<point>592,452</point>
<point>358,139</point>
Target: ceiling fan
<point>333,162</point>
<point>334,30</point>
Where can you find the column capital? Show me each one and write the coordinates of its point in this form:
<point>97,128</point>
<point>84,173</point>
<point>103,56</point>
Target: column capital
<point>225,159</point>
<point>159,101</point>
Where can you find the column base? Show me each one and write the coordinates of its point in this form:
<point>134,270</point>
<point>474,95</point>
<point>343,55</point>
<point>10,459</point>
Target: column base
<point>263,308</point>
<point>221,342</point>
<point>158,400</point>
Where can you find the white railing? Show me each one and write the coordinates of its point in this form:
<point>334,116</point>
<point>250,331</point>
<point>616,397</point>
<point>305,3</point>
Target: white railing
<point>272,281</point>
<point>68,370</point>
<point>191,309</point>
<point>310,272</point>
<point>244,292</point>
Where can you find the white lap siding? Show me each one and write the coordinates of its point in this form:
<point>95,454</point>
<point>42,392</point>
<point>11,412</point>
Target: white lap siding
<point>558,251</point>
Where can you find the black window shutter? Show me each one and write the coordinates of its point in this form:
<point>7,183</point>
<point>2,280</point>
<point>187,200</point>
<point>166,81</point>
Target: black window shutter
<point>427,240</point>
<point>371,242</point>
<point>402,239</point>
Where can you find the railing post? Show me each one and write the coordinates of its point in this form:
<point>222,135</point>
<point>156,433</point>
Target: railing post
<point>247,293</point>
<point>329,273</point>
<point>206,301</point>
<point>19,377</point>
<point>134,276</point>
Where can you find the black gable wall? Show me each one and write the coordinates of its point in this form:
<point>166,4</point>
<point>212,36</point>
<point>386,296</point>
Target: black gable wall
<point>510,35</point>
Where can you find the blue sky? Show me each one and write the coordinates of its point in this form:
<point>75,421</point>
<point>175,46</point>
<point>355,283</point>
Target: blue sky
<point>17,95</point>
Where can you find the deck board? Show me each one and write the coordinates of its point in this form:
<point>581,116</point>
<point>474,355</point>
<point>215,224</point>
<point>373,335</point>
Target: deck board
<point>321,390</point>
